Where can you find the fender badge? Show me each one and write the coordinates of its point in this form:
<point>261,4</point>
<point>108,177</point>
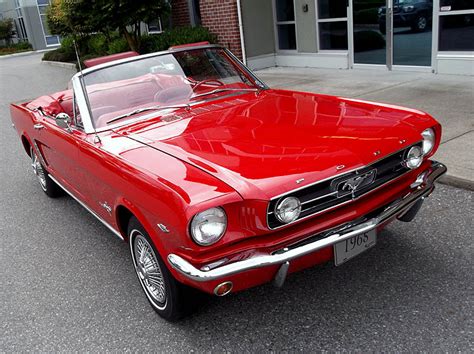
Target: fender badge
<point>163,228</point>
<point>340,167</point>
<point>107,207</point>
<point>377,153</point>
<point>298,181</point>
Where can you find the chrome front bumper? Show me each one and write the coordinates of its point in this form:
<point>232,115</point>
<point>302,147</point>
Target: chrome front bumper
<point>420,190</point>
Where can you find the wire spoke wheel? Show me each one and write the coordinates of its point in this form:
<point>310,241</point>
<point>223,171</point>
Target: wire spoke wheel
<point>148,269</point>
<point>38,169</point>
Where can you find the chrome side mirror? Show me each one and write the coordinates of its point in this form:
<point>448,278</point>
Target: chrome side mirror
<point>64,121</point>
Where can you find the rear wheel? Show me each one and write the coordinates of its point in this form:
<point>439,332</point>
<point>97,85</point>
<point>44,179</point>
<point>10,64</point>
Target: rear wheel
<point>420,24</point>
<point>169,298</point>
<point>46,183</point>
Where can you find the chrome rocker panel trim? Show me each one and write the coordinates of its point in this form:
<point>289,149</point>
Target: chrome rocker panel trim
<point>285,255</point>
<point>106,224</point>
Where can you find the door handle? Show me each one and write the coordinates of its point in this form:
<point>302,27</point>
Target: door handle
<point>38,126</point>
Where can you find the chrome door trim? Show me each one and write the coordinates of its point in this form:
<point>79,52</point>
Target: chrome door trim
<point>82,103</point>
<point>110,227</point>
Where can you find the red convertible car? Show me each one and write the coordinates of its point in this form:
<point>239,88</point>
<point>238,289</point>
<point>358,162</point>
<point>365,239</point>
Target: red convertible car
<point>218,182</point>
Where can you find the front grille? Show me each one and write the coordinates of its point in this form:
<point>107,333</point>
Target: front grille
<point>333,192</point>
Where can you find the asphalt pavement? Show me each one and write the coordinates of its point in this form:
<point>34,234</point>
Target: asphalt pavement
<point>67,283</point>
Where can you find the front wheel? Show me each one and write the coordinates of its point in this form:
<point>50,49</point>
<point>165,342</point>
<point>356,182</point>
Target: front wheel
<point>169,298</point>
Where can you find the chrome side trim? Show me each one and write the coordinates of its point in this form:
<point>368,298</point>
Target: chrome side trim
<point>110,227</point>
<point>341,233</point>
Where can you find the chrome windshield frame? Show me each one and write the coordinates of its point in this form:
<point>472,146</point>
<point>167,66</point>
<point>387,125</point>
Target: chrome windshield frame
<point>80,91</point>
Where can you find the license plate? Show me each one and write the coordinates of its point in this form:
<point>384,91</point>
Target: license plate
<point>347,249</point>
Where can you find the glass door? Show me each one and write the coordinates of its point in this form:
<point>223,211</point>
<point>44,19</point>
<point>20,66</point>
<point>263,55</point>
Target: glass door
<point>369,28</point>
<point>392,32</point>
<point>412,32</point>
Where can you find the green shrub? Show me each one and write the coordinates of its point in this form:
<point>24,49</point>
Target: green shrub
<point>97,44</point>
<point>15,48</point>
<point>118,45</point>
<point>24,45</point>
<point>175,36</point>
<point>368,40</point>
<point>59,55</point>
<point>67,44</point>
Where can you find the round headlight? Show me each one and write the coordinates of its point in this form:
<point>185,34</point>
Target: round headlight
<point>208,226</point>
<point>414,158</point>
<point>288,210</point>
<point>428,140</point>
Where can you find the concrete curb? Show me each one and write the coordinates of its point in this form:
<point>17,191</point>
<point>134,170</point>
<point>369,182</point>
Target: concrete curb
<point>17,54</point>
<point>457,182</point>
<point>30,52</point>
<point>59,64</point>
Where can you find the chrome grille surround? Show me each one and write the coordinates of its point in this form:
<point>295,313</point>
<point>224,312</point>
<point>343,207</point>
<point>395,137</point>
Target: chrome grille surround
<point>325,195</point>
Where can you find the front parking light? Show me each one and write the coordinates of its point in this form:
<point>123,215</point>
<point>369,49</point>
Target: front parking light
<point>428,140</point>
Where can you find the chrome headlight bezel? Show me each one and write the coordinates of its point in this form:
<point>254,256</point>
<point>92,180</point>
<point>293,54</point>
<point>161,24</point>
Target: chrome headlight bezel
<point>414,157</point>
<point>282,207</point>
<point>216,216</point>
<point>429,139</point>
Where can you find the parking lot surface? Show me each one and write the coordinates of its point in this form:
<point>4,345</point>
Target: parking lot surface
<point>67,283</point>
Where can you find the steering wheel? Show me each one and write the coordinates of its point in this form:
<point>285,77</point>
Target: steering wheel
<point>208,81</point>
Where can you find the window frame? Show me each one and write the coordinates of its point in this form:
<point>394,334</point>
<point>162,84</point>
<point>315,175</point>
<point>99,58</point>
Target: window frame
<point>155,32</point>
<point>275,26</point>
<point>328,20</point>
<point>41,16</point>
<point>442,13</point>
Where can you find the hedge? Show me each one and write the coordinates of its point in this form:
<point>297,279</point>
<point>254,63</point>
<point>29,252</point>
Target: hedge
<point>98,44</point>
<point>15,48</point>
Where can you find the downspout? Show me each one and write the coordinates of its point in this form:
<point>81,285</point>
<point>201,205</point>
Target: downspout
<point>241,31</point>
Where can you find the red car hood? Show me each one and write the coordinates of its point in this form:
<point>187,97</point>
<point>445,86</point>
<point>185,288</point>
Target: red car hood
<point>277,141</point>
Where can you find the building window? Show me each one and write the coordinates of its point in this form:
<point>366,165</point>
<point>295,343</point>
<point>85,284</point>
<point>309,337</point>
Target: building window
<point>154,26</point>
<point>456,33</point>
<point>195,12</point>
<point>51,40</point>
<point>332,24</point>
<point>20,23</point>
<point>285,24</point>
<point>23,34</point>
<point>456,26</point>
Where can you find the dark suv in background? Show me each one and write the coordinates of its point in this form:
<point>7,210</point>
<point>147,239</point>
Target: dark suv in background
<point>416,14</point>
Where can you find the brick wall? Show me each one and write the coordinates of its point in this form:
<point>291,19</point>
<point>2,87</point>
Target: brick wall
<point>180,13</point>
<point>221,17</point>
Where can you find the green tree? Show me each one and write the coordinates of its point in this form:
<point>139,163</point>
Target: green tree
<point>81,17</point>
<point>6,30</point>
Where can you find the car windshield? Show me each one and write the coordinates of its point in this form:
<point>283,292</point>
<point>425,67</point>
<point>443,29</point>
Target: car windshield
<point>161,82</point>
